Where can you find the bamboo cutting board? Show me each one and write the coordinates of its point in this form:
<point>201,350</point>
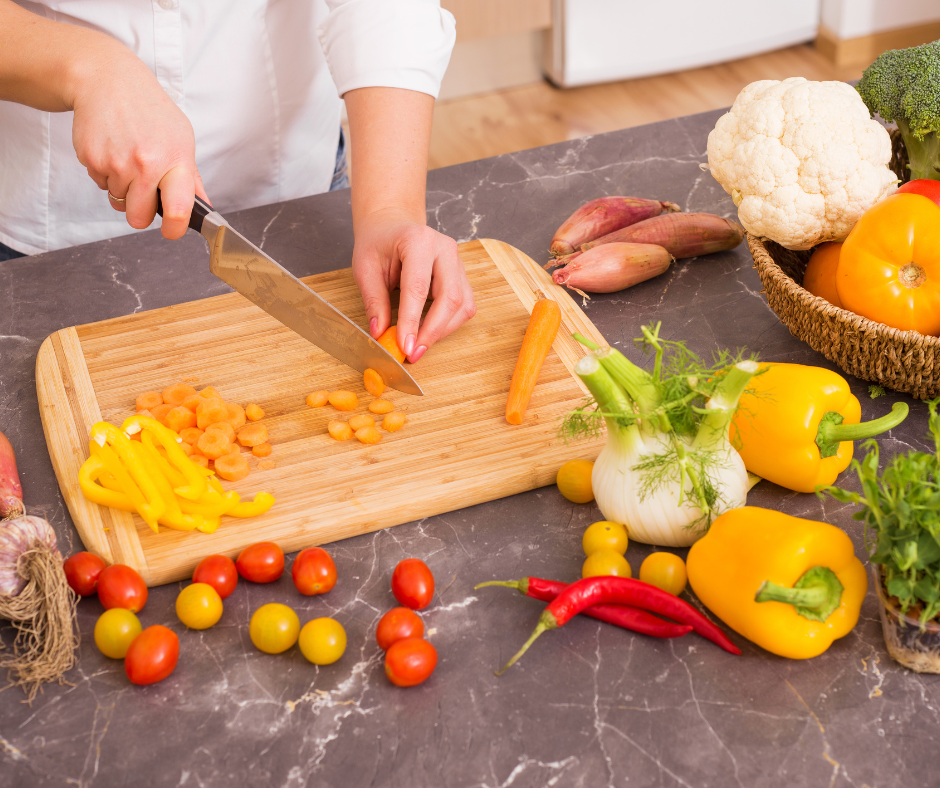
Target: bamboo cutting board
<point>455,450</point>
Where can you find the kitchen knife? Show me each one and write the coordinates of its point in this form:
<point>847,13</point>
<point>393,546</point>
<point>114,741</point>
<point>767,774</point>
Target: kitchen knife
<point>244,267</point>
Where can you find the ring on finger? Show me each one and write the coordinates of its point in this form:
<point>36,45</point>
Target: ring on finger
<point>116,199</point>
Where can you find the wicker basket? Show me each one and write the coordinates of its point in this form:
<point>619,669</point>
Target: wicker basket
<point>901,360</point>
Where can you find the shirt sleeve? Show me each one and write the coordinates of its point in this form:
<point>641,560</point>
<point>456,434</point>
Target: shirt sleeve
<point>387,43</point>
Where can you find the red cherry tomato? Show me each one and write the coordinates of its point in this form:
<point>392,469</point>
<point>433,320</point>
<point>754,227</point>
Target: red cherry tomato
<point>397,624</point>
<point>923,186</point>
<point>219,572</point>
<point>81,572</point>
<point>152,656</point>
<point>313,571</point>
<point>121,586</point>
<point>261,563</point>
<point>413,584</point>
<point>409,662</point>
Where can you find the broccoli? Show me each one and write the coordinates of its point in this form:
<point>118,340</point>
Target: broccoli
<point>903,85</point>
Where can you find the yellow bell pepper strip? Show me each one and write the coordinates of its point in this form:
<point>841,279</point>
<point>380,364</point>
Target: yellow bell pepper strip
<point>173,517</point>
<point>262,502</point>
<point>195,480</point>
<point>209,525</point>
<point>212,504</point>
<point>126,465</point>
<point>889,269</point>
<point>89,474</point>
<point>795,425</point>
<point>791,586</point>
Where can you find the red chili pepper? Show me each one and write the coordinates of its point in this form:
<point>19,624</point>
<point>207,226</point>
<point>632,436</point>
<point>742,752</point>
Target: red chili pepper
<point>592,591</point>
<point>619,615</point>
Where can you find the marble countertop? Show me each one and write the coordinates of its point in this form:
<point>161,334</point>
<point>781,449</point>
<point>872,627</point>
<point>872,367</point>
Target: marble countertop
<point>589,705</point>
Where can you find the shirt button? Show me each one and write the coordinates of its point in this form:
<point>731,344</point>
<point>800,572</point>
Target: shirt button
<point>166,4</point>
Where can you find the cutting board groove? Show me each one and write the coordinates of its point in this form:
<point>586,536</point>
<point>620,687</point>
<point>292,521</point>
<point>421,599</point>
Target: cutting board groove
<point>455,450</point>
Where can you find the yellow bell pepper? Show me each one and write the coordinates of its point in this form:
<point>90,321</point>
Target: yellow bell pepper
<point>795,425</point>
<point>791,586</point>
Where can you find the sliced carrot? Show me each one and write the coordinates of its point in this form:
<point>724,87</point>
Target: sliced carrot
<point>214,444</point>
<point>340,430</point>
<point>236,415</point>
<point>232,467</point>
<point>192,402</point>
<point>253,434</point>
<point>146,413</point>
<point>254,413</point>
<point>225,428</point>
<point>209,392</point>
<point>180,418</point>
<point>393,422</point>
<point>388,341</point>
<point>175,395</point>
<point>191,434</point>
<point>344,400</point>
<point>186,448</point>
<point>543,326</point>
<point>261,450</point>
<point>160,411</point>
<point>199,459</point>
<point>373,382</point>
<point>234,449</point>
<point>148,400</point>
<point>210,411</point>
<point>358,422</point>
<point>368,435</point>
<point>381,406</point>
<point>318,399</point>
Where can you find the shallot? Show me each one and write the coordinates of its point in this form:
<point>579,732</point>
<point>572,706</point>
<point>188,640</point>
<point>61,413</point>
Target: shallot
<point>682,234</point>
<point>612,267</point>
<point>601,216</point>
<point>11,491</point>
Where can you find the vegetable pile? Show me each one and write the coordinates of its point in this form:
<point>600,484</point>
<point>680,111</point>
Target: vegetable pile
<point>361,426</point>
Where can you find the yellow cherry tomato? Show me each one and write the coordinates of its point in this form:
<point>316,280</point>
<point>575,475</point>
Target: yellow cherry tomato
<point>274,628</point>
<point>605,563</point>
<point>665,571</point>
<point>574,481</point>
<point>323,641</point>
<point>199,606</point>
<point>605,535</point>
<point>115,630</point>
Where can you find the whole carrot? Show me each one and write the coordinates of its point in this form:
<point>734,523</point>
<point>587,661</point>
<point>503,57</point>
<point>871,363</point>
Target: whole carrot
<point>680,234</point>
<point>631,618</point>
<point>621,591</point>
<point>543,326</point>
<point>11,491</point>
<point>601,216</point>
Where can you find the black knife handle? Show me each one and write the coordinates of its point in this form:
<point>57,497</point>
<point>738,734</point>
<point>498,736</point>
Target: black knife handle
<point>201,209</point>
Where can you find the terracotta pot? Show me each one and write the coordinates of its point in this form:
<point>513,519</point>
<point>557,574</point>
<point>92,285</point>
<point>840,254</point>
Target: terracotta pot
<point>908,644</point>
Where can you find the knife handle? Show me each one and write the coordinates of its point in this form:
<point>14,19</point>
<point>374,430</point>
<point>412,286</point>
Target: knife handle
<point>201,209</point>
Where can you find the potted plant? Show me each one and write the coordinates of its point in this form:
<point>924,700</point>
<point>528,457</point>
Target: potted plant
<point>900,507</point>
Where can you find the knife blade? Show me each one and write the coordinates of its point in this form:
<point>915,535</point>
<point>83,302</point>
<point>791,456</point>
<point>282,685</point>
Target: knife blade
<point>244,267</point>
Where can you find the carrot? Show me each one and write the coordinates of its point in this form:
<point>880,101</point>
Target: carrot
<point>210,411</point>
<point>381,406</point>
<point>339,430</point>
<point>175,395</point>
<point>318,399</point>
<point>236,415</point>
<point>199,459</point>
<point>214,444</point>
<point>368,435</point>
<point>681,234</point>
<point>234,449</point>
<point>159,412</point>
<point>543,326</point>
<point>261,450</point>
<point>225,428</point>
<point>186,448</point>
<point>148,400</point>
<point>388,341</point>
<point>191,434</point>
<point>253,434</point>
<point>180,418</point>
<point>344,400</point>
<point>393,422</point>
<point>232,467</point>
<point>373,382</point>
<point>192,402</point>
<point>358,422</point>
<point>254,413</point>
<point>209,392</point>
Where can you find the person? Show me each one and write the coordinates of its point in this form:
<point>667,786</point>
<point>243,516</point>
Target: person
<point>239,103</point>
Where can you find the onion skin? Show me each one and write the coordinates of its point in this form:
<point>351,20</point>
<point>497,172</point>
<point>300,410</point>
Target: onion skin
<point>681,234</point>
<point>613,267</point>
<point>602,216</point>
<point>11,491</point>
<point>16,537</point>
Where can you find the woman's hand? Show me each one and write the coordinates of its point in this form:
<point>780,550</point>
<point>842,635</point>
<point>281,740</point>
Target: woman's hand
<point>391,252</point>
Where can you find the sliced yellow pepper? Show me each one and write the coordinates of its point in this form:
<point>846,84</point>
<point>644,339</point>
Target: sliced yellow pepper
<point>262,502</point>
<point>209,525</point>
<point>118,453</point>
<point>212,504</point>
<point>91,470</point>
<point>173,517</point>
<point>195,480</point>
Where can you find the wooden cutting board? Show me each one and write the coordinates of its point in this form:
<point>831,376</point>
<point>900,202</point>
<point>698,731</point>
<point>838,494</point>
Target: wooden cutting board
<point>455,450</point>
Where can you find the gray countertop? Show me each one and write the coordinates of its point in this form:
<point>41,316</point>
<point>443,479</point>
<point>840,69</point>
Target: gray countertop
<point>589,705</point>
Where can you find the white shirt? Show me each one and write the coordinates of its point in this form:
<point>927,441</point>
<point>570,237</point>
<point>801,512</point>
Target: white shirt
<point>254,79</point>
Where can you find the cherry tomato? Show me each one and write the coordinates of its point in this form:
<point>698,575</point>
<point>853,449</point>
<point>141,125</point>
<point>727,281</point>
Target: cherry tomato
<point>409,662</point>
<point>574,481</point>
<point>397,624</point>
<point>121,586</point>
<point>274,628</point>
<point>313,571</point>
<point>413,584</point>
<point>926,187</point>
<point>606,563</point>
<point>219,572</point>
<point>605,535</point>
<point>665,571</point>
<point>199,606</point>
<point>115,630</point>
<point>82,571</point>
<point>152,656</point>
<point>261,563</point>
<point>323,641</point>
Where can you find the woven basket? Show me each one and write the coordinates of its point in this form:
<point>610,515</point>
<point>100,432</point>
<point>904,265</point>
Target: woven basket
<point>901,360</point>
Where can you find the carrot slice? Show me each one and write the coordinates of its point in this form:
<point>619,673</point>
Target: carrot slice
<point>186,448</point>
<point>192,402</point>
<point>373,382</point>
<point>209,392</point>
<point>381,406</point>
<point>225,428</point>
<point>253,434</point>
<point>388,341</point>
<point>254,413</point>
<point>210,411</point>
<point>191,434</point>
<point>368,435</point>
<point>175,395</point>
<point>180,418</point>
<point>159,412</point>
<point>214,444</point>
<point>234,449</point>
<point>148,400</point>
<point>199,459</point>
<point>261,450</point>
<point>393,422</point>
<point>344,400</point>
<point>318,399</point>
<point>340,430</point>
<point>358,422</point>
<point>232,467</point>
<point>543,326</point>
<point>236,415</point>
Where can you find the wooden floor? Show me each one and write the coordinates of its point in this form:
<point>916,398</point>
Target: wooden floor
<point>487,125</point>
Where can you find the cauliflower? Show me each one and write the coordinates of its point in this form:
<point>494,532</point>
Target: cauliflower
<point>801,160</point>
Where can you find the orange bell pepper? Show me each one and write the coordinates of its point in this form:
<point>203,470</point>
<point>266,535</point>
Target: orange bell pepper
<point>820,276</point>
<point>889,269</point>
